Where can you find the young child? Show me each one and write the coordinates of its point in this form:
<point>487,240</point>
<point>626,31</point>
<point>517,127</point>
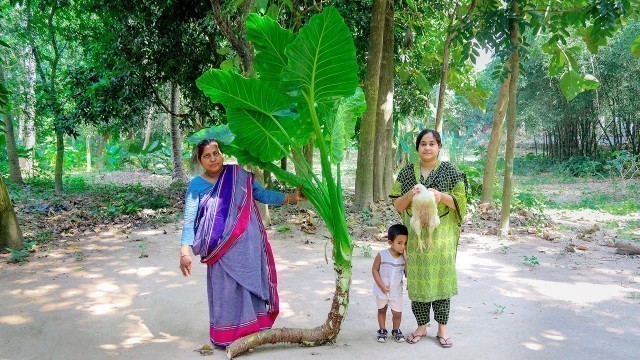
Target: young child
<point>388,270</point>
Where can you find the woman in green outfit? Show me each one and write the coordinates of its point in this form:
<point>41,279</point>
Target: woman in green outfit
<point>431,273</point>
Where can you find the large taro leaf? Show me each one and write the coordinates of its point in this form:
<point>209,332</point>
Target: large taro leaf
<point>262,135</point>
<point>322,60</point>
<point>235,91</point>
<point>342,127</point>
<point>220,133</point>
<point>270,41</point>
<point>258,114</point>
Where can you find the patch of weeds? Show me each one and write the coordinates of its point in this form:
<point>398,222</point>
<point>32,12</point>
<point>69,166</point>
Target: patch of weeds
<point>41,237</point>
<point>283,228</point>
<point>130,199</point>
<point>504,249</point>
<point>366,214</point>
<point>17,256</point>
<point>634,295</point>
<point>21,255</point>
<point>366,250</point>
<point>616,203</point>
<point>499,309</point>
<point>530,261</point>
<point>79,256</point>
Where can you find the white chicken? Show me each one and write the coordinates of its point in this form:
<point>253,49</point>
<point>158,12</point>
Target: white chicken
<point>424,214</point>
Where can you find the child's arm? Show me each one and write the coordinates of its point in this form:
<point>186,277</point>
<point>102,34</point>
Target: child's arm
<point>375,271</point>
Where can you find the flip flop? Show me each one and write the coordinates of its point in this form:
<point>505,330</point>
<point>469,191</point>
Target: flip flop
<point>444,342</point>
<point>411,339</point>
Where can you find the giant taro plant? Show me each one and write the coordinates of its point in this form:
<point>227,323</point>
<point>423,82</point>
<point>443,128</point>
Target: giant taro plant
<point>307,89</point>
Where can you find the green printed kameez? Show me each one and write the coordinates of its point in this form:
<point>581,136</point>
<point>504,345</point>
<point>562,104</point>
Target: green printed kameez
<point>431,274</point>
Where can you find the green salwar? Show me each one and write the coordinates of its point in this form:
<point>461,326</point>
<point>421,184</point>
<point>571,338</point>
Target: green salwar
<point>431,273</point>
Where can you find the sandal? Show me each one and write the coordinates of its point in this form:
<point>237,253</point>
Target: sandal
<point>415,338</point>
<point>397,335</point>
<point>382,335</point>
<point>445,343</point>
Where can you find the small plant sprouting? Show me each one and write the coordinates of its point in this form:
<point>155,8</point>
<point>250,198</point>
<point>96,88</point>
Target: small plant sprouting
<point>499,309</point>
<point>635,295</point>
<point>367,250</point>
<point>530,261</point>
<point>142,246</point>
<point>283,228</point>
<point>21,255</point>
<point>79,256</point>
<point>504,249</point>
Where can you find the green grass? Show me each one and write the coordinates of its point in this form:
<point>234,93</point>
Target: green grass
<point>611,203</point>
<point>570,193</point>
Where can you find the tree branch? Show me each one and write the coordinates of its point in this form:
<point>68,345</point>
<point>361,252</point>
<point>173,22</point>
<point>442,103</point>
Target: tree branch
<point>235,37</point>
<point>163,105</point>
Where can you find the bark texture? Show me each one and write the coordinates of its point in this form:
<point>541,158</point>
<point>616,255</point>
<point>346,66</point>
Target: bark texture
<point>366,142</point>
<point>489,176</point>
<point>177,174</point>
<point>507,190</point>
<point>10,234</point>
<point>12,151</point>
<point>384,114</point>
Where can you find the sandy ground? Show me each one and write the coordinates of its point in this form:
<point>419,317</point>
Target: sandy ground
<point>98,299</point>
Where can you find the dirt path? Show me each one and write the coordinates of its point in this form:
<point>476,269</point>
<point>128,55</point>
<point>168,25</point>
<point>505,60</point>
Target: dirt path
<point>98,299</point>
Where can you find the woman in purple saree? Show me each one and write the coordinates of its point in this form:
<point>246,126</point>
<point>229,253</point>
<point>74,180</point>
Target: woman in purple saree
<point>222,224</point>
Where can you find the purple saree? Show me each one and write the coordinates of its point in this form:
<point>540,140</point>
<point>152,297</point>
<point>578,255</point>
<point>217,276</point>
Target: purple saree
<point>241,274</point>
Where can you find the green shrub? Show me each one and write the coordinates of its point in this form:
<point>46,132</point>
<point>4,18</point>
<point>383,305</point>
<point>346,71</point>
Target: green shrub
<point>474,178</point>
<point>531,164</point>
<point>582,166</point>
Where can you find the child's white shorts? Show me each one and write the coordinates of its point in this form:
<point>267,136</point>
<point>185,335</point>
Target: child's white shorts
<point>394,305</point>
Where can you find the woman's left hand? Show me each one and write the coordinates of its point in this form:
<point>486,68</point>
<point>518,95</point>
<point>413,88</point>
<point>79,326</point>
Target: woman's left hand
<point>299,196</point>
<point>437,194</point>
<point>294,197</point>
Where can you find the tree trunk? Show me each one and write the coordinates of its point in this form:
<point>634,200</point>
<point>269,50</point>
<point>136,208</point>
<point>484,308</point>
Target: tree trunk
<point>87,139</point>
<point>384,114</point>
<point>489,175</point>
<point>176,138</point>
<point>147,131</point>
<point>30,108</point>
<point>308,153</point>
<point>507,189</point>
<point>10,234</point>
<point>12,151</point>
<point>59,160</point>
<point>446,55</point>
<point>366,142</point>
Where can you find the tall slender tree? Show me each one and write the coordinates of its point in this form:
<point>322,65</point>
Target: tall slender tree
<point>382,166</point>
<point>366,141</point>
<point>12,151</point>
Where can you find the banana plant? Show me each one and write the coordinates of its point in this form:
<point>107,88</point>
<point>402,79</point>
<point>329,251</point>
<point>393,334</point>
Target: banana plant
<point>306,89</point>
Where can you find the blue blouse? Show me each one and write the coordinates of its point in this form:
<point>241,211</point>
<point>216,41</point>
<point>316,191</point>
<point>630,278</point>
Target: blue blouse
<point>198,187</point>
